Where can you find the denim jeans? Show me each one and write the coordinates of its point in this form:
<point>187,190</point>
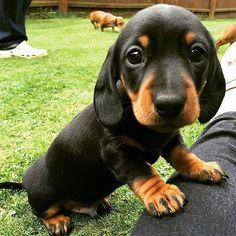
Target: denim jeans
<point>211,209</point>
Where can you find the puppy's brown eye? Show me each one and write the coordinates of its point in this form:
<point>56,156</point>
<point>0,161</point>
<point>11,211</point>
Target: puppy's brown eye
<point>135,56</point>
<point>197,54</point>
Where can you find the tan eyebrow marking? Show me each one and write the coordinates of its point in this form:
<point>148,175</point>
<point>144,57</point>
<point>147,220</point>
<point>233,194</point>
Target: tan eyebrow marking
<point>144,40</point>
<point>189,37</point>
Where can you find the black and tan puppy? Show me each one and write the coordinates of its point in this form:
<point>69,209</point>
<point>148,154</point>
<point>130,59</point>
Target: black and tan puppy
<point>161,74</point>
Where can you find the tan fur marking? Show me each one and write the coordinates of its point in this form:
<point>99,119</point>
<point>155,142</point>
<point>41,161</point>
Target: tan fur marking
<point>144,40</point>
<point>51,211</point>
<point>189,165</point>
<point>154,192</point>
<point>141,187</point>
<point>189,37</point>
<point>142,102</point>
<point>144,110</point>
<point>57,219</point>
<point>182,160</point>
<point>122,81</point>
<point>191,109</point>
<point>58,224</point>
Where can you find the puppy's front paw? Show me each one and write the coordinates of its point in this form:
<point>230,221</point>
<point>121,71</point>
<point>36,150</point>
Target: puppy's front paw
<point>158,197</point>
<point>167,200</point>
<point>206,172</point>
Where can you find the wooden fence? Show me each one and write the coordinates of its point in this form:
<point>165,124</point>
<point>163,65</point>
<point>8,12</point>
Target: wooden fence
<point>210,7</point>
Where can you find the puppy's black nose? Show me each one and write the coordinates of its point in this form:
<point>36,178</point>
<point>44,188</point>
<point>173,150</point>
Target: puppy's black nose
<point>169,106</point>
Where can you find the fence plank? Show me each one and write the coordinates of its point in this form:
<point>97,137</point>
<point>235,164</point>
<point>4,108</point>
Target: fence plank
<point>206,6</point>
<point>44,3</point>
<point>212,8</point>
<point>63,6</point>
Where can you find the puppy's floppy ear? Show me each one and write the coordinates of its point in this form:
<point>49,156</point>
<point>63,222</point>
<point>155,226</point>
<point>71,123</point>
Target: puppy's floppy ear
<point>213,92</point>
<point>107,102</point>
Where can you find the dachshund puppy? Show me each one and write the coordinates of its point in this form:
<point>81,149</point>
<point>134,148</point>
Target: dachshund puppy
<point>101,20</point>
<point>161,74</point>
<point>228,36</point>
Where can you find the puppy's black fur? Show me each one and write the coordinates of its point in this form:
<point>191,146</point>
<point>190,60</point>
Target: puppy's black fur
<point>161,74</point>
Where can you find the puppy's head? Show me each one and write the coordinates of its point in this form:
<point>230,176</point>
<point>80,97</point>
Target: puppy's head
<point>119,22</point>
<point>166,62</point>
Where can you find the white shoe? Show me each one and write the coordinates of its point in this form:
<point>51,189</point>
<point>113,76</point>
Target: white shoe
<point>23,50</point>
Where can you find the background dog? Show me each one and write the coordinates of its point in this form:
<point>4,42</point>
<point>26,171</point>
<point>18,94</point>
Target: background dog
<point>161,74</point>
<point>228,36</point>
<point>101,20</point>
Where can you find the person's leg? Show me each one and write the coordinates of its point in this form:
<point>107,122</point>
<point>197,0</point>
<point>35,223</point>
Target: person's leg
<point>228,64</point>
<point>12,30</point>
<point>12,22</point>
<point>211,208</point>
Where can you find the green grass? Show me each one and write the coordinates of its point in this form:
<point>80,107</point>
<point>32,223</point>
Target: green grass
<point>39,97</point>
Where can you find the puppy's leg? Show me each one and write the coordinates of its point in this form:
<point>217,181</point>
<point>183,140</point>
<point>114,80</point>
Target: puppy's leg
<point>218,43</point>
<point>100,26</point>
<point>190,166</point>
<point>228,36</point>
<point>113,25</point>
<point>56,222</point>
<point>103,207</point>
<point>59,224</point>
<point>98,208</point>
<point>94,24</point>
<point>158,197</point>
<point>54,218</point>
<point>129,167</point>
<point>43,198</point>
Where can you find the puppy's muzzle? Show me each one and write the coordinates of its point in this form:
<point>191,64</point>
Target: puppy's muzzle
<point>169,106</point>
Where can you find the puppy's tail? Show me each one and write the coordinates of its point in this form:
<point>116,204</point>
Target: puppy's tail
<point>11,185</point>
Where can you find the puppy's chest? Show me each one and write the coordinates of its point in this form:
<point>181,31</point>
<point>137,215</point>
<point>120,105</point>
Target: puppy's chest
<point>149,142</point>
<point>152,142</point>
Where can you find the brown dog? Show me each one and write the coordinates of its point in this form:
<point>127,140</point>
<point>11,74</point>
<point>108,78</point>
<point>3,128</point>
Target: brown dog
<point>228,36</point>
<point>101,19</point>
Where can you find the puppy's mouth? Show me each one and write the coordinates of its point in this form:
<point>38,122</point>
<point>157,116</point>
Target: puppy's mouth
<point>169,125</point>
<point>165,128</point>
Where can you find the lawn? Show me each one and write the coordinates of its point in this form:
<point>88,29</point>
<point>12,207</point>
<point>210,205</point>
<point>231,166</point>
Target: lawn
<point>39,97</point>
